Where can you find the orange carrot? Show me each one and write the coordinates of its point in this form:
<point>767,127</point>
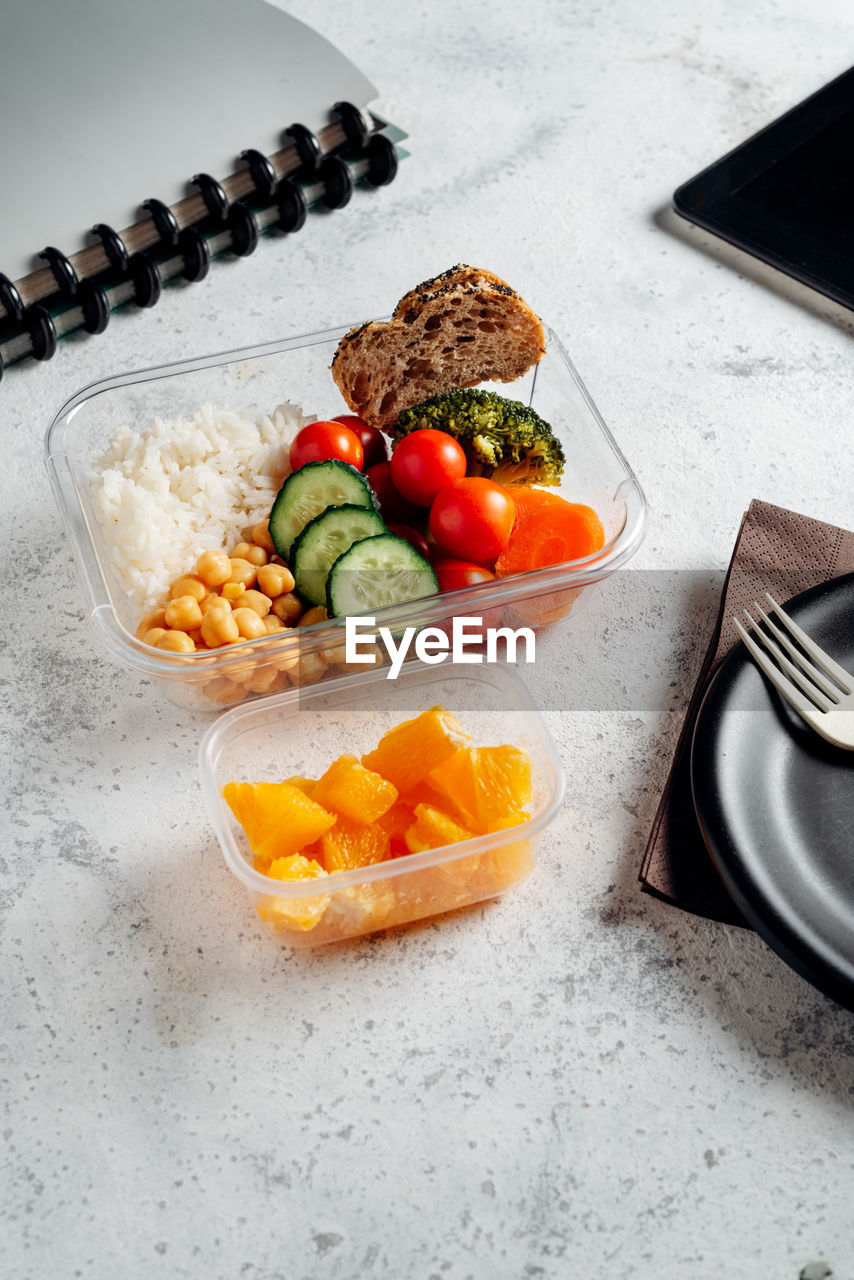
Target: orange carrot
<point>549,530</point>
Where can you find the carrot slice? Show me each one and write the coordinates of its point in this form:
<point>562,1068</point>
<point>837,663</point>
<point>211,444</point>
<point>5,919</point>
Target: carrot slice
<point>549,530</point>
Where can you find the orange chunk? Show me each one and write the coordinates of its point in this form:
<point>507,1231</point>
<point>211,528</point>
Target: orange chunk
<point>298,914</point>
<point>424,793</point>
<point>396,822</point>
<point>354,844</point>
<point>407,753</point>
<point>295,867</point>
<point>361,908</point>
<point>351,790</point>
<point>485,785</point>
<point>306,785</point>
<point>279,819</point>
<point>432,828</point>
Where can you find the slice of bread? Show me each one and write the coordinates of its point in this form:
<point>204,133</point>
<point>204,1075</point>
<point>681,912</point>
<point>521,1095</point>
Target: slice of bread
<point>463,327</point>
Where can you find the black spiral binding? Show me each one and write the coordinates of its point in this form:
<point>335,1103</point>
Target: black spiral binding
<point>93,302</point>
<point>113,246</point>
<point>11,300</point>
<point>331,172</point>
<point>237,218</point>
<point>144,275</point>
<point>193,248</point>
<point>382,160</point>
<point>291,204</point>
<point>39,325</point>
<point>92,293</point>
<point>165,222</point>
<point>308,148</point>
<point>216,201</point>
<point>354,125</point>
<point>262,173</point>
<point>337,182</point>
<point>63,272</point>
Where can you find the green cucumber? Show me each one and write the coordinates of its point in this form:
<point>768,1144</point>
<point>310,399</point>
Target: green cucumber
<point>308,492</point>
<point>323,540</point>
<point>375,573</point>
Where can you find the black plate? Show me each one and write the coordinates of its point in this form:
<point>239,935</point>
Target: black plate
<point>775,803</point>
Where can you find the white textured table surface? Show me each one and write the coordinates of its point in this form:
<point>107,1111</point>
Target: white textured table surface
<point>578,1080</point>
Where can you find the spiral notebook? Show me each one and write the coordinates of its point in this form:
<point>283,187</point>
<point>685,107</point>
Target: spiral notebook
<point>150,138</point>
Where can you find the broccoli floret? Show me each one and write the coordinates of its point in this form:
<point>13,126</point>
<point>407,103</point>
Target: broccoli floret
<point>503,439</point>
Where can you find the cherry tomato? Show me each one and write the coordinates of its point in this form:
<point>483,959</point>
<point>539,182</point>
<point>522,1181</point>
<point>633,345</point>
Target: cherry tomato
<point>425,462</point>
<point>452,574</point>
<point>392,505</point>
<point>472,518</point>
<point>373,440</point>
<point>413,537</point>
<point>320,441</point>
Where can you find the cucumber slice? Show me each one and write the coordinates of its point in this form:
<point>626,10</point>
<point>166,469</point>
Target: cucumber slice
<point>323,540</point>
<point>375,573</point>
<point>309,491</point>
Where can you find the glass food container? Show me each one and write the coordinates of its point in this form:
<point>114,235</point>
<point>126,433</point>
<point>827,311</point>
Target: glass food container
<point>300,732</point>
<point>253,381</point>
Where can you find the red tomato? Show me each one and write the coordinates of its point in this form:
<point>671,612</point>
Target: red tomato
<point>472,518</point>
<point>413,537</point>
<point>424,462</point>
<point>373,440</point>
<point>321,441</point>
<point>392,505</point>
<point>452,574</point>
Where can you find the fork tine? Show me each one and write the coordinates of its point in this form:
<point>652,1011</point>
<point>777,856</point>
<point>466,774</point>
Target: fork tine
<point>785,687</point>
<point>842,677</point>
<point>788,669</point>
<point>832,690</point>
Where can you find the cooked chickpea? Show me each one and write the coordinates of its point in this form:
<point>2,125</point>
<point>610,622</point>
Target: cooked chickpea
<point>336,656</point>
<point>308,670</point>
<point>183,613</point>
<point>213,601</point>
<point>188,585</point>
<point>155,618</point>
<point>272,623</point>
<point>219,627</point>
<point>153,635</point>
<point>260,535</point>
<point>176,642</point>
<point>222,689</point>
<point>249,624</point>
<point>241,674</point>
<point>317,614</point>
<point>231,591</point>
<point>261,679</point>
<point>275,579</point>
<point>288,607</point>
<point>372,655</point>
<point>249,551</point>
<point>253,600</point>
<point>214,568</point>
<point>285,657</point>
<point>243,572</point>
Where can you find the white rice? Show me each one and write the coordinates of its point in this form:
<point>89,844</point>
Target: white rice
<point>166,494</point>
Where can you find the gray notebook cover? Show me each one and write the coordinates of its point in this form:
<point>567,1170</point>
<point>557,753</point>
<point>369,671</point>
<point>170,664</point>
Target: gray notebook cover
<point>106,103</point>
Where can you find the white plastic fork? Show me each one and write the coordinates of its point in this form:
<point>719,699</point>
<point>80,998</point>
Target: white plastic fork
<point>820,690</point>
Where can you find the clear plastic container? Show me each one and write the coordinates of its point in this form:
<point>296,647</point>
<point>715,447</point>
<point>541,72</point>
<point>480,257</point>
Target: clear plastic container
<point>253,381</point>
<point>302,732</point>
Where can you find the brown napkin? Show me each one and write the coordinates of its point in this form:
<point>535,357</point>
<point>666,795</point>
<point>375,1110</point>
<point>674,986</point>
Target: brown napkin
<point>777,551</point>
